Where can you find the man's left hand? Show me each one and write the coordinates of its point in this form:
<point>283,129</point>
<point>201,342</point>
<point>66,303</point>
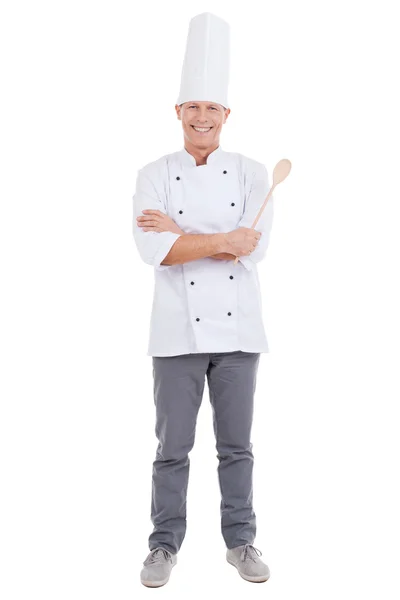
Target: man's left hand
<point>155,220</point>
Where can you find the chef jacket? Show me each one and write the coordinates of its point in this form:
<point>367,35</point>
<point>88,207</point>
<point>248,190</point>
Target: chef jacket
<point>204,305</point>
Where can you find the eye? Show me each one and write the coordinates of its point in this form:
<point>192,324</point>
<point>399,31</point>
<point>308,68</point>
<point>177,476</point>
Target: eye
<point>194,106</point>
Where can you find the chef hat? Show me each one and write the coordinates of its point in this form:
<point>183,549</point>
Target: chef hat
<point>205,71</point>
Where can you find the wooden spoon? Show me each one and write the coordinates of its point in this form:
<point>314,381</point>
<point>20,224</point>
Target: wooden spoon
<point>281,171</point>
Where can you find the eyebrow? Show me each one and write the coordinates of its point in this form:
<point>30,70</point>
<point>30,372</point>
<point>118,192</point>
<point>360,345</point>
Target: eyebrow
<point>195,104</point>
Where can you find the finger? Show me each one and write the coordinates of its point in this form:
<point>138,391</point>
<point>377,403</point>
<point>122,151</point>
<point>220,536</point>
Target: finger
<point>150,223</point>
<point>150,211</point>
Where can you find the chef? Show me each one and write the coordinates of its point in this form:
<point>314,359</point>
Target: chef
<point>193,211</point>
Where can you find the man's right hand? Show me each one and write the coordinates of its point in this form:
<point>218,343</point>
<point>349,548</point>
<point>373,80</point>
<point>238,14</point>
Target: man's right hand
<point>241,241</point>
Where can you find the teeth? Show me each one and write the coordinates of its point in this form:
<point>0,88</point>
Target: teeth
<point>201,129</point>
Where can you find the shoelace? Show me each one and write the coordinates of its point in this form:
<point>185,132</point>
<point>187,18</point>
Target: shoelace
<point>249,551</point>
<point>158,555</point>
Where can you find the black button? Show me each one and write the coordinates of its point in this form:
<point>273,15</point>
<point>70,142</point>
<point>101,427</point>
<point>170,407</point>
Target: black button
<point>192,282</point>
<point>232,204</point>
<point>230,276</point>
<point>180,212</point>
<point>178,178</point>
<point>225,172</point>
<point>229,314</point>
<point>197,319</point>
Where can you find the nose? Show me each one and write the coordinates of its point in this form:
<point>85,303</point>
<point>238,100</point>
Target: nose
<point>203,115</point>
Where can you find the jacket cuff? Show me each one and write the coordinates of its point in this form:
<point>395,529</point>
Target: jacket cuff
<point>169,239</point>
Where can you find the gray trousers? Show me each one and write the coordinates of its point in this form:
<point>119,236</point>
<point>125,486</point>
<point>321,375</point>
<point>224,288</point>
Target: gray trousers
<point>178,392</point>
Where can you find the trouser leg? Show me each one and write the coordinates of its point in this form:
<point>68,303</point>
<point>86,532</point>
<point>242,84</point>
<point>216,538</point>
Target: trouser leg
<point>178,390</point>
<point>232,384</point>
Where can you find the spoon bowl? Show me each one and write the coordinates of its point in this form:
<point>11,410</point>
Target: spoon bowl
<point>281,171</point>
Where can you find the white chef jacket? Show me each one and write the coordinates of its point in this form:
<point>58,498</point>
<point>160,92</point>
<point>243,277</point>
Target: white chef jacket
<point>204,305</point>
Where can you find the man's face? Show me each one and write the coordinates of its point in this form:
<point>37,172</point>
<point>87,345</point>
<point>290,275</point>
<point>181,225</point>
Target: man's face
<point>207,116</point>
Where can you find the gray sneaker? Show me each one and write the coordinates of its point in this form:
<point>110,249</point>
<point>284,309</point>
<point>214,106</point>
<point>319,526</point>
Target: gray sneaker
<point>157,567</point>
<point>246,559</point>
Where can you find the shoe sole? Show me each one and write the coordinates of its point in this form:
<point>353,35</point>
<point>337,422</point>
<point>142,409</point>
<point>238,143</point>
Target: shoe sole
<point>253,579</point>
<point>155,583</point>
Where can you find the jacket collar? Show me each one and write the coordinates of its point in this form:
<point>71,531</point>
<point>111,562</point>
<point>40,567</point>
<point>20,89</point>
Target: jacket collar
<point>190,161</point>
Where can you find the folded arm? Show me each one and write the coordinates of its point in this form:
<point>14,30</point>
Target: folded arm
<point>194,246</point>
<point>162,249</point>
<point>151,244</point>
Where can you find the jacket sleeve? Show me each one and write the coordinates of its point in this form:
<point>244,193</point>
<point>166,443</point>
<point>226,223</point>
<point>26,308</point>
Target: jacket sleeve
<point>153,246</point>
<point>258,192</point>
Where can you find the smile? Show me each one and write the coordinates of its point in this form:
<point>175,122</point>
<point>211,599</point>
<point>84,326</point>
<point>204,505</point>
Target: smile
<point>201,129</point>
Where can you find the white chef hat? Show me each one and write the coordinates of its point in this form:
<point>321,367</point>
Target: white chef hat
<point>205,71</point>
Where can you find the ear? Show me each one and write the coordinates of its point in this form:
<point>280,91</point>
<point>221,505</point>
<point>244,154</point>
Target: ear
<point>226,115</point>
<point>178,111</point>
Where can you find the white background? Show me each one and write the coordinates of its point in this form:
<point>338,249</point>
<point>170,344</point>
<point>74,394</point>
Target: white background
<point>88,98</point>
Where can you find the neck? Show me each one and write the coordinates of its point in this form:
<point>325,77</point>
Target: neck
<point>200,154</point>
